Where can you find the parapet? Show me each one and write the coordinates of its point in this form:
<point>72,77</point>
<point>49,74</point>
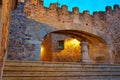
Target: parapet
<point>53,6</point>
<point>95,14</point>
<point>63,14</point>
<point>75,10</point>
<point>108,8</point>
<point>116,7</point>
<point>86,12</point>
<point>65,8</point>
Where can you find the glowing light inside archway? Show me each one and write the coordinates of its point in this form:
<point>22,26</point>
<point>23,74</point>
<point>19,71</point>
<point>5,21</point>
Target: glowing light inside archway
<point>74,42</point>
<point>41,51</point>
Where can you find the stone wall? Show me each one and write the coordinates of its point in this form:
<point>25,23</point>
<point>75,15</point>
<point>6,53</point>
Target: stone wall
<point>61,18</point>
<point>25,36</point>
<point>103,24</point>
<point>113,29</point>
<point>31,21</point>
<point>99,53</point>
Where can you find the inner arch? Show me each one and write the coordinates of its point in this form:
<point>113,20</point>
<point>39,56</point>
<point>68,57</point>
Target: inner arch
<point>50,51</point>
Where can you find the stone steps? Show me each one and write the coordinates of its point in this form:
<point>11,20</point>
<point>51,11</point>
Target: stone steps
<point>59,65</point>
<point>62,70</point>
<point>41,74</point>
<point>25,70</point>
<point>57,78</point>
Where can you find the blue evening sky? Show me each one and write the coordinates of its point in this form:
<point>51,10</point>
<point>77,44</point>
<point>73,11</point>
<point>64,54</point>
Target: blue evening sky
<point>91,5</point>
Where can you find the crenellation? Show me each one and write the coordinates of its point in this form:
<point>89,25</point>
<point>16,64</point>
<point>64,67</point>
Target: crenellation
<point>96,15</point>
<point>86,15</point>
<point>64,14</point>
<point>86,12</point>
<point>64,8</point>
<point>55,13</point>
<point>116,7</point>
<point>53,6</point>
<point>50,13</point>
<point>75,10</point>
<point>108,9</point>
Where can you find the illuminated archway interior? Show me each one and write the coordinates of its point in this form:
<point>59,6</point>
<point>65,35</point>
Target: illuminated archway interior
<point>73,46</point>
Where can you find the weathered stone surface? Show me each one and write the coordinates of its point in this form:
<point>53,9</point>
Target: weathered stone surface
<point>32,21</point>
<point>113,29</point>
<point>22,70</point>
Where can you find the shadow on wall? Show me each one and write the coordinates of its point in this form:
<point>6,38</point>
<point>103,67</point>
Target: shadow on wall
<point>25,37</point>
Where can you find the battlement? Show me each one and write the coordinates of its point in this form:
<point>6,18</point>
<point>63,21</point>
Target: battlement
<point>75,10</point>
<point>62,14</point>
<point>116,8</point>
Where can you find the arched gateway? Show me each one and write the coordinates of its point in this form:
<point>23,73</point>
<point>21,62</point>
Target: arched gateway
<point>32,24</point>
<point>46,43</point>
<point>74,46</point>
<point>71,36</point>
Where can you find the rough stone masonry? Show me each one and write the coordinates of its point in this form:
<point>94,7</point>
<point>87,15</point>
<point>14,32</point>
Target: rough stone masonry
<point>31,21</point>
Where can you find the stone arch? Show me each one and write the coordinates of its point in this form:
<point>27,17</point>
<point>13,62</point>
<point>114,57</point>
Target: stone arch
<point>83,29</point>
<point>96,44</point>
<point>35,36</point>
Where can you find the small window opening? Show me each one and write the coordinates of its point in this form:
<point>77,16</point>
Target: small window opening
<point>61,44</point>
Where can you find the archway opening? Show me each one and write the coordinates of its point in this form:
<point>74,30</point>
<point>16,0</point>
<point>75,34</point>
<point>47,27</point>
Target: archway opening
<point>60,48</point>
<point>74,46</point>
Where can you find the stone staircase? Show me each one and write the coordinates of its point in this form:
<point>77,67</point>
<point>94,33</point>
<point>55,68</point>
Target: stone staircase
<point>26,70</point>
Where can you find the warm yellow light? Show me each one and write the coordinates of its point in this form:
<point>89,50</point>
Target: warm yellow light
<point>41,51</point>
<point>75,41</point>
<point>72,43</point>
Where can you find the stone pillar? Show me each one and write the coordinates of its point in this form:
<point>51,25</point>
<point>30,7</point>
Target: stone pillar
<point>84,51</point>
